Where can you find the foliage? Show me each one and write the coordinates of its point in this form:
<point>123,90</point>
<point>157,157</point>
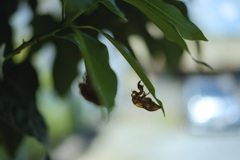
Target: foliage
<point>75,38</point>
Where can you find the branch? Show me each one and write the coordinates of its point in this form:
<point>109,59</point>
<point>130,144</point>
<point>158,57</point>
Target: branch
<point>33,41</point>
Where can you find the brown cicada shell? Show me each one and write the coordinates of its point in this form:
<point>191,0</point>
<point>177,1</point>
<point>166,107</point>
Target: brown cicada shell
<point>140,100</point>
<point>88,92</point>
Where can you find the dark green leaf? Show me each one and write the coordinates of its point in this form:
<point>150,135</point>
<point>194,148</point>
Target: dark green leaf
<point>172,53</point>
<point>202,63</point>
<point>65,65</point>
<point>96,59</point>
<point>17,101</point>
<point>33,4</point>
<point>43,24</point>
<point>180,5</point>
<point>112,6</point>
<point>133,63</point>
<point>171,21</point>
<point>74,8</point>
<point>171,14</point>
<point>10,138</point>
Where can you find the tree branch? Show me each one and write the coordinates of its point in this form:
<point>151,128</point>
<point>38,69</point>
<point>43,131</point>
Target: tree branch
<point>33,41</point>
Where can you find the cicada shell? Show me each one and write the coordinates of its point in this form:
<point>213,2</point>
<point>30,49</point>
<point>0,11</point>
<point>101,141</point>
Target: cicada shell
<point>140,100</point>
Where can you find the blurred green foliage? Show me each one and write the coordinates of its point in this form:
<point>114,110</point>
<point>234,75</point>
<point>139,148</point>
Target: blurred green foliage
<point>19,83</point>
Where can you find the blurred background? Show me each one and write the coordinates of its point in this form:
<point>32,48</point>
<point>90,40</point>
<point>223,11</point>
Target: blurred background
<point>202,106</point>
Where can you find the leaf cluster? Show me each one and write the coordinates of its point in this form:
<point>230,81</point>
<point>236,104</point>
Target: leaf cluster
<point>75,38</point>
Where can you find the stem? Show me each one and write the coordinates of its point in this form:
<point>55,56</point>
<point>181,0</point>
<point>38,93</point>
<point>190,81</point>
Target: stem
<point>33,41</point>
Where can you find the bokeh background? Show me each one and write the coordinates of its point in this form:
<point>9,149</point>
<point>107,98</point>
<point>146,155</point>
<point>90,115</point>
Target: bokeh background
<point>202,105</point>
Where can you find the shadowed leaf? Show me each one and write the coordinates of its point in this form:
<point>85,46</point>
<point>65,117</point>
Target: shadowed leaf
<point>74,8</point>
<point>96,59</point>
<point>10,138</point>
<point>112,6</point>
<point>17,101</point>
<point>65,65</point>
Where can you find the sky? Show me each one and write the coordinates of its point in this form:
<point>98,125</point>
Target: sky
<point>216,18</point>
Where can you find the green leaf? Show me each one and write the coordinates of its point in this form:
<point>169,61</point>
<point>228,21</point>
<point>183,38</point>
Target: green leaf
<point>96,59</point>
<point>17,101</point>
<point>158,8</point>
<point>65,65</point>
<point>112,6</point>
<point>127,55</point>
<point>74,8</point>
<point>171,21</point>
<point>172,53</point>
<point>200,62</point>
<point>10,138</point>
<point>153,14</point>
<point>133,63</point>
<point>64,3</point>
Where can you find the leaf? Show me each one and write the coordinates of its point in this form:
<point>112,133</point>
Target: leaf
<point>171,14</point>
<point>133,63</point>
<point>96,59</point>
<point>172,53</point>
<point>17,101</point>
<point>171,21</point>
<point>153,14</point>
<point>10,138</point>
<point>202,63</point>
<point>65,65</point>
<point>112,6</point>
<point>74,8</point>
<point>64,2</point>
<point>2,49</point>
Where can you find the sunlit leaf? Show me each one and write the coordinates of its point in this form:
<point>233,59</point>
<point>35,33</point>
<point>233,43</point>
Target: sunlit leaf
<point>96,59</point>
<point>155,9</point>
<point>111,5</point>
<point>133,63</point>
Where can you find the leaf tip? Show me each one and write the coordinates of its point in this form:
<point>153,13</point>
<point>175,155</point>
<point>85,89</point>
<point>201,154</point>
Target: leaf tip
<point>163,112</point>
<point>205,39</point>
<point>202,63</point>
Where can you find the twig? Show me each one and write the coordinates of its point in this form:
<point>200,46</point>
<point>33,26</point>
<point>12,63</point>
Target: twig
<point>33,41</point>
